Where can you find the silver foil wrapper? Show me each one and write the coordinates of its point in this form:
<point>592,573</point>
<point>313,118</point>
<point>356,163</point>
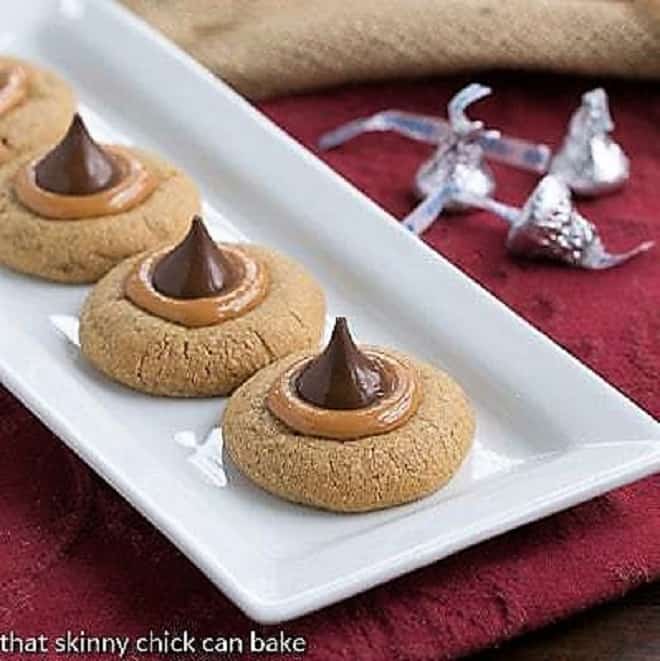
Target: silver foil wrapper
<point>462,146</point>
<point>549,226</point>
<point>589,161</point>
<point>459,159</point>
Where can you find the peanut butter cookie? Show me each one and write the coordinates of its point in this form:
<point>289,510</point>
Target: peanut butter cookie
<point>39,110</point>
<point>84,249</point>
<point>366,473</point>
<point>162,357</point>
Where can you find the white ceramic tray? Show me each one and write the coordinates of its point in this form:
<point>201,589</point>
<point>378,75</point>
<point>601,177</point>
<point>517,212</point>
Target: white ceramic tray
<point>550,432</point>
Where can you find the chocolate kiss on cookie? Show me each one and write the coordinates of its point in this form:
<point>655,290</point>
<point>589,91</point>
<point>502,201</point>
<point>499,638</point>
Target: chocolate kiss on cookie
<point>196,268</point>
<point>342,376</point>
<point>77,165</point>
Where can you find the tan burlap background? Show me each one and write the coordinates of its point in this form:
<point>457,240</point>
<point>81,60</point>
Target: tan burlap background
<point>268,47</point>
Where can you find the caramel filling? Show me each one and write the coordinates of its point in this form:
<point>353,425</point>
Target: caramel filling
<point>398,404</point>
<point>247,288</point>
<point>135,184</point>
<point>13,87</point>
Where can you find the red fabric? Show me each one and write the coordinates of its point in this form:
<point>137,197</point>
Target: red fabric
<point>74,555</point>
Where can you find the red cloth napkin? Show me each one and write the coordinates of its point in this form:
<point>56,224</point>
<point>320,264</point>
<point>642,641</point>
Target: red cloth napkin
<point>74,555</point>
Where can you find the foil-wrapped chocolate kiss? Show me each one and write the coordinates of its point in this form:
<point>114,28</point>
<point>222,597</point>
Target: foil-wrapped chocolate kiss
<point>549,226</point>
<point>435,130</point>
<point>458,161</point>
<point>589,161</point>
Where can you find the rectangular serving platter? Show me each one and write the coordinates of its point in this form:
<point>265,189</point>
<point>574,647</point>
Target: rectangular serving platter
<point>550,432</point>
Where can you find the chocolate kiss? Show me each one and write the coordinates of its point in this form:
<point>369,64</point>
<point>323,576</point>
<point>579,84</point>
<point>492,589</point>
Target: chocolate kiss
<point>196,268</point>
<point>77,165</point>
<point>342,377</point>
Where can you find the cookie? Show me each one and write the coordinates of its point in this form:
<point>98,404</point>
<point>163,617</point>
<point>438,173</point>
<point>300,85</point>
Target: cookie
<point>81,251</point>
<point>38,120</point>
<point>359,475</point>
<point>161,357</point>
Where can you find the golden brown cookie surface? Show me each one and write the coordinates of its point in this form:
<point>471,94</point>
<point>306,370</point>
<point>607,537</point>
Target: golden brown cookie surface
<point>41,118</point>
<point>163,358</point>
<point>81,251</point>
<point>354,476</point>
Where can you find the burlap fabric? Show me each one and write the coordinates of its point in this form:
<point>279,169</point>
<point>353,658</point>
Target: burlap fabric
<point>269,47</point>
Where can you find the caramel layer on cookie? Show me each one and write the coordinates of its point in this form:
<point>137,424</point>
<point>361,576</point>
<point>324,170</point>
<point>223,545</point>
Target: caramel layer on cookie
<point>246,292</point>
<point>135,185</point>
<point>392,410</point>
